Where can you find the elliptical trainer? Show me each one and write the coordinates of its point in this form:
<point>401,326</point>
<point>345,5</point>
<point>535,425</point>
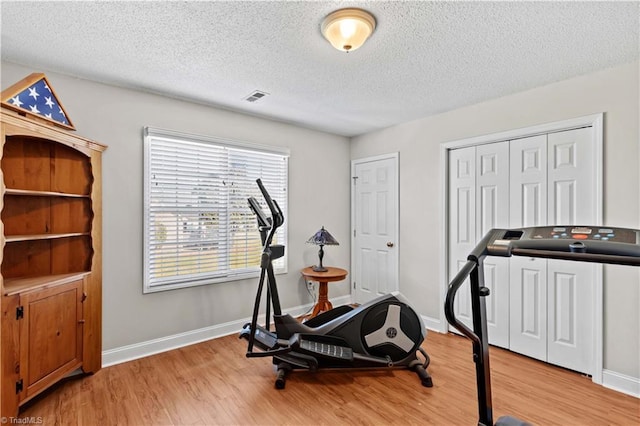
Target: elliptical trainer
<point>382,333</point>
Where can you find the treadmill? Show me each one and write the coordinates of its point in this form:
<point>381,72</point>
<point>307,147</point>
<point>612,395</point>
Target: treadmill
<point>600,244</point>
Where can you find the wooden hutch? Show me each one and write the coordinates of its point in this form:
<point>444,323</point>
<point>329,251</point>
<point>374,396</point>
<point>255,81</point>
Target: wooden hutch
<point>51,258</point>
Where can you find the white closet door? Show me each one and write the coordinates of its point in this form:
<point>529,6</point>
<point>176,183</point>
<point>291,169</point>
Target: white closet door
<point>546,305</point>
<point>528,276</point>
<point>570,178</point>
<point>570,297</point>
<point>492,202</point>
<point>462,222</point>
<point>528,192</point>
<point>571,284</point>
<point>528,307</point>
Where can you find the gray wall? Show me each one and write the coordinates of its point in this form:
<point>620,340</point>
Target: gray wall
<point>614,92</point>
<point>116,117</point>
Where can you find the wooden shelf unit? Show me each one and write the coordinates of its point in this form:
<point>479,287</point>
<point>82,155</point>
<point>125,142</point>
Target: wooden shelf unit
<point>14,286</point>
<point>9,191</point>
<point>51,257</point>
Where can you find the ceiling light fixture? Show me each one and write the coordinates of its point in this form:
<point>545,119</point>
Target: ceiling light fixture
<point>348,29</point>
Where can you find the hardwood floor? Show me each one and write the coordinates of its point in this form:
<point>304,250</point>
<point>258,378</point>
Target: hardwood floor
<point>213,383</point>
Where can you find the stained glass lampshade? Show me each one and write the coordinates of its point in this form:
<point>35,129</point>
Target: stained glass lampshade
<point>322,238</point>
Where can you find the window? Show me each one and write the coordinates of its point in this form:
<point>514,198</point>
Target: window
<point>198,226</point>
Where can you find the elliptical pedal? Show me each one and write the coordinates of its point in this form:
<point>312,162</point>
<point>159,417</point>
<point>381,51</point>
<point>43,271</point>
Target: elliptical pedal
<point>327,349</point>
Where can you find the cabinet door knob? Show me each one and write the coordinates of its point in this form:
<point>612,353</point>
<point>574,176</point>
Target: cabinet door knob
<point>80,321</point>
<point>389,244</point>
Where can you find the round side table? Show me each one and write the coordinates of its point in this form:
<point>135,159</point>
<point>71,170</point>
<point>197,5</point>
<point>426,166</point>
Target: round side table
<point>332,274</point>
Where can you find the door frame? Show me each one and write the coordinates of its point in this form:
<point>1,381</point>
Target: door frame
<point>595,121</point>
<point>390,156</point>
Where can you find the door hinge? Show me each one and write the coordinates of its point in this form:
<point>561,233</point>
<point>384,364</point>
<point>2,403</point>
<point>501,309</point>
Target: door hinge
<point>354,233</point>
<point>19,312</point>
<point>19,386</point>
<point>355,179</point>
<point>354,285</point>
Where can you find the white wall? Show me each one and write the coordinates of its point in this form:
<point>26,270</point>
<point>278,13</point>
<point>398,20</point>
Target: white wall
<point>614,92</point>
<point>319,171</point>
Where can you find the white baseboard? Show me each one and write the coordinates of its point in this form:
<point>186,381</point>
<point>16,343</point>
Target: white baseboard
<point>621,383</point>
<point>433,324</point>
<point>164,344</point>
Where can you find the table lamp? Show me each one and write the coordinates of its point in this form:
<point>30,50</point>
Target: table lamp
<point>322,238</point>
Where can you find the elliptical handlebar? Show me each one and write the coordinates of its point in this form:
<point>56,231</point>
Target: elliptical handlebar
<point>276,212</point>
<point>263,221</point>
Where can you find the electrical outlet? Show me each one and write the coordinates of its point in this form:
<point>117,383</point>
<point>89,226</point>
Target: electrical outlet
<point>310,286</point>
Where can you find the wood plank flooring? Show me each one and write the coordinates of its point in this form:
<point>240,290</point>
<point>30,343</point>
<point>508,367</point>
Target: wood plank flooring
<point>212,383</point>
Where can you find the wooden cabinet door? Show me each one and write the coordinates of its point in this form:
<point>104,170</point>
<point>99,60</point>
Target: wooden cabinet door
<point>10,355</point>
<point>50,336</point>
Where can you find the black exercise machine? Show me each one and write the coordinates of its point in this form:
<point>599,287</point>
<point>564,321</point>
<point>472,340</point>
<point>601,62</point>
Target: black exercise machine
<point>599,244</point>
<point>385,332</point>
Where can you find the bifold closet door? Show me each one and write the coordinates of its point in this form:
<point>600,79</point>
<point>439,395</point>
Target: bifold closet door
<point>528,276</point>
<point>538,307</point>
<point>478,194</point>
<point>571,285</point>
<point>462,223</point>
<point>492,207</point>
<point>551,301</point>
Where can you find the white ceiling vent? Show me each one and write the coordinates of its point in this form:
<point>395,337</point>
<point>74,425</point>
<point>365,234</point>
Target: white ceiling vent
<point>255,96</point>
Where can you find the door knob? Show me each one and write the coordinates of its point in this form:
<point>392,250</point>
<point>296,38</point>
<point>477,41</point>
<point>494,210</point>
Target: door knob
<point>389,244</point>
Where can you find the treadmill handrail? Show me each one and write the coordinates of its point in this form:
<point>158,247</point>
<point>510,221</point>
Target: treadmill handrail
<point>454,286</point>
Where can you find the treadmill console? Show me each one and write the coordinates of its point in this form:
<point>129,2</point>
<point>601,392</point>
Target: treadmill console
<point>587,243</point>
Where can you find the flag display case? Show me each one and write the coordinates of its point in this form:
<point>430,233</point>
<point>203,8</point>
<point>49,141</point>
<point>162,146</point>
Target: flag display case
<point>51,257</point>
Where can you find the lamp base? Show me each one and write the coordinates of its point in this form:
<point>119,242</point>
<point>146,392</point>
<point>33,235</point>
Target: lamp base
<point>319,267</point>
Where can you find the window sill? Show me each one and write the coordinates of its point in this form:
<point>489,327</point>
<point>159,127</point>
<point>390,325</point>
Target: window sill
<point>206,281</point>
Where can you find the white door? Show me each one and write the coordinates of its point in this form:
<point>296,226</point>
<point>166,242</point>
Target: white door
<point>462,223</point>
<point>375,227</point>
<point>528,192</point>
<point>571,285</point>
<point>478,193</point>
<point>571,180</point>
<point>528,276</point>
<point>569,314</point>
<point>528,307</point>
<point>492,205</point>
<point>551,301</point>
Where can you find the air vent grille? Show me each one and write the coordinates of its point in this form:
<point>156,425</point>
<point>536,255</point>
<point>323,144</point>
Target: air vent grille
<point>255,96</point>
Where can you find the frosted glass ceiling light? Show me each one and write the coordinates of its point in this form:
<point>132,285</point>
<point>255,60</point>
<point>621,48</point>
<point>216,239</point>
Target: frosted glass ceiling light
<point>348,29</point>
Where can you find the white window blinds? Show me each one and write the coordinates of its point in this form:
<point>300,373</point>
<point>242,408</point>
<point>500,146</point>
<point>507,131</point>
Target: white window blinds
<point>198,226</point>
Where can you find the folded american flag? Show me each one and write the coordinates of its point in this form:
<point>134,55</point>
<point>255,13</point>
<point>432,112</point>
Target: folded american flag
<point>38,99</point>
<point>34,95</point>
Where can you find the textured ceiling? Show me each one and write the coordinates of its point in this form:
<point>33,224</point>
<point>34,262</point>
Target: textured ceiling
<point>424,58</point>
